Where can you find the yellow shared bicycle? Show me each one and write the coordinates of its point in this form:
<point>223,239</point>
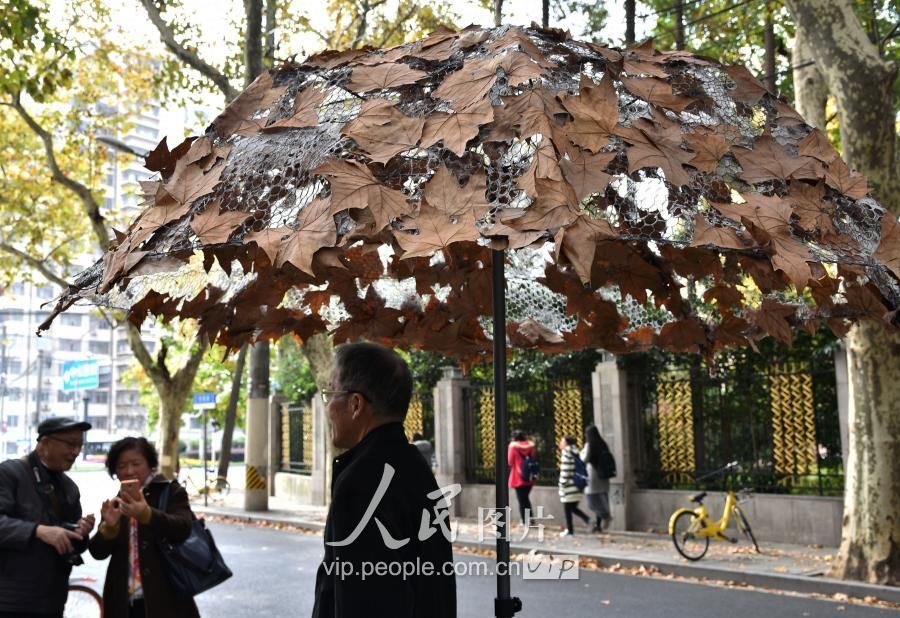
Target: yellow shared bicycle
<point>691,529</point>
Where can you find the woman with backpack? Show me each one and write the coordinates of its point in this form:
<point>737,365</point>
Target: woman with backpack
<point>601,467</point>
<point>570,487</point>
<point>522,459</point>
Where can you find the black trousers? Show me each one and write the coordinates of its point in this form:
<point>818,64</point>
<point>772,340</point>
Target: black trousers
<point>522,494</point>
<point>136,609</point>
<point>571,508</point>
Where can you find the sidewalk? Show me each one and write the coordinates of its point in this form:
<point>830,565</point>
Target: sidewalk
<point>795,568</point>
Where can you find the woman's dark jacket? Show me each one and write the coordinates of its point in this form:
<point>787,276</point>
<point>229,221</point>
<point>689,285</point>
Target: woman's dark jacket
<point>33,577</point>
<point>173,525</point>
<point>355,478</point>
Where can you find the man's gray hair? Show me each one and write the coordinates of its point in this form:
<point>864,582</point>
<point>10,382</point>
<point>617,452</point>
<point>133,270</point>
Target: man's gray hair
<point>376,372</point>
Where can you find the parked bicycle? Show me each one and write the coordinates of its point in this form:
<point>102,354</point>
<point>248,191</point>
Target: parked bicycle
<point>216,487</point>
<point>691,529</point>
<point>84,601</point>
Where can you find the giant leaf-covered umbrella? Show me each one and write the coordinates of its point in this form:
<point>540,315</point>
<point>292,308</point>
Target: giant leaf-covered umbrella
<point>636,198</point>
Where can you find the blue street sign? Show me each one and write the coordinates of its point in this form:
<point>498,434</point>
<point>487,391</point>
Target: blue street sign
<point>204,400</point>
<point>80,375</point>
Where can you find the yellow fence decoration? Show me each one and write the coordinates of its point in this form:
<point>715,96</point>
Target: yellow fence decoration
<point>285,437</point>
<point>307,437</point>
<point>415,417</point>
<point>676,429</point>
<point>486,413</point>
<point>793,419</point>
<point>568,415</point>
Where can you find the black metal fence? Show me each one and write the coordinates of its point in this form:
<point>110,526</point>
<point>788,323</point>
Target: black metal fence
<point>778,421</point>
<point>296,438</point>
<point>545,409</point>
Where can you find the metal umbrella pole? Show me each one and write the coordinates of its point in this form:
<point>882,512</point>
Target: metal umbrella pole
<point>505,605</point>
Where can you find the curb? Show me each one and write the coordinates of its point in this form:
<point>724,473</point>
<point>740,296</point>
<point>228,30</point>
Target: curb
<point>784,582</point>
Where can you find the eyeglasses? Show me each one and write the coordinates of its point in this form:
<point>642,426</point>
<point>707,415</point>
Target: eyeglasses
<point>75,446</point>
<point>329,395</point>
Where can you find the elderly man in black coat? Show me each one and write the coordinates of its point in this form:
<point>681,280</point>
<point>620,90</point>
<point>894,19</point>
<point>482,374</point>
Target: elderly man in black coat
<point>387,539</point>
<point>42,532</point>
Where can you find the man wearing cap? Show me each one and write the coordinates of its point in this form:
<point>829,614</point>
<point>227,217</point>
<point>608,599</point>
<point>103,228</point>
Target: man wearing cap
<point>42,532</point>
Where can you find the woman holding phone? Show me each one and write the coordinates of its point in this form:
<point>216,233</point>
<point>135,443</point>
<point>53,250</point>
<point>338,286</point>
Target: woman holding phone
<point>130,531</point>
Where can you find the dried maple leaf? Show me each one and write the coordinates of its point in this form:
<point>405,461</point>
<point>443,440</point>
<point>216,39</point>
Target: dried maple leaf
<point>747,89</point>
<point>435,231</point>
<point>546,162</point>
<point>456,129</point>
<point>657,91</point>
<point>707,234</point>
<point>578,243</point>
<point>585,172</point>
<point>383,131</point>
<point>190,181</point>
<point>315,230</point>
<point>595,113</point>
<point>767,160</point>
<point>851,184</point>
<point>657,144</point>
<point>269,240</point>
<point>708,150</point>
<point>809,205</point>
<point>161,160</point>
<point>354,186</point>
<point>383,76</point>
<point>555,206</point>
<point>888,252</point>
<point>726,297</point>
<point>816,145</point>
<point>331,58</point>
<point>444,193</point>
<point>683,336</point>
<point>306,105</point>
<point>532,112</point>
<point>637,68</point>
<point>470,84</point>
<point>213,227</point>
<point>772,318</point>
<point>769,221</point>
<point>243,116</point>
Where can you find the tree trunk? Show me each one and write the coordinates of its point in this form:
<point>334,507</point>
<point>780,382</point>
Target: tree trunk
<point>870,542</point>
<point>171,405</point>
<point>810,89</point>
<point>319,353</point>
<point>769,45</point>
<point>679,24</point>
<point>629,22</point>
<point>861,83</point>
<point>231,413</point>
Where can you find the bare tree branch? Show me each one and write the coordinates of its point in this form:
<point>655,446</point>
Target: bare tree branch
<point>143,356</point>
<point>36,263</point>
<point>91,206</point>
<point>186,56</point>
<point>253,49</point>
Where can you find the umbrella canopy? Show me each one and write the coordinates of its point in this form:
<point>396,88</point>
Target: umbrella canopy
<point>654,199</point>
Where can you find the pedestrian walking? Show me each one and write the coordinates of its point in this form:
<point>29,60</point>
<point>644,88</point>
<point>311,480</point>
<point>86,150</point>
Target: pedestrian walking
<point>132,528</point>
<point>387,539</point>
<point>523,466</point>
<point>42,532</point>
<point>596,455</point>
<point>569,491</point>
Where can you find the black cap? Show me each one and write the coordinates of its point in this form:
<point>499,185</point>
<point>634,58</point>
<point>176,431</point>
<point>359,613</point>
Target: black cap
<point>60,423</point>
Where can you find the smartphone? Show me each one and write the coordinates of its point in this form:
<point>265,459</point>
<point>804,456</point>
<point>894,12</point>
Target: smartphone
<point>130,487</point>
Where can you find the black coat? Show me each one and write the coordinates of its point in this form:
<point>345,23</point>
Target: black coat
<point>356,476</point>
<point>174,525</point>
<point>33,577</point>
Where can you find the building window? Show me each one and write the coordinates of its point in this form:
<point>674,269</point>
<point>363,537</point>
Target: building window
<point>12,315</point>
<point>69,345</point>
<point>123,347</point>
<point>99,347</point>
<point>65,396</point>
<point>46,291</point>
<point>14,394</point>
<point>41,316</point>
<point>17,288</point>
<point>98,396</point>
<point>12,420</point>
<point>45,395</point>
<point>98,323</point>
<point>13,367</point>
<point>70,319</point>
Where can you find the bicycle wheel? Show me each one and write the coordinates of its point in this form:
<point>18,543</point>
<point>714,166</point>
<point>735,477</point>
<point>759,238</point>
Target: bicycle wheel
<point>744,525</point>
<point>684,536</point>
<point>83,602</point>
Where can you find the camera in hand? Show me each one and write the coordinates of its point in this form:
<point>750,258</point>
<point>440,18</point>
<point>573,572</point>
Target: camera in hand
<point>73,557</point>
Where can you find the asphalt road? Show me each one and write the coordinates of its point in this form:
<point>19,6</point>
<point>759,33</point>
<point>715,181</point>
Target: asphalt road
<point>274,576</point>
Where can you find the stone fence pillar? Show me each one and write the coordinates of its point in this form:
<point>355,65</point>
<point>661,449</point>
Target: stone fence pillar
<point>449,430</point>
<point>609,385</point>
